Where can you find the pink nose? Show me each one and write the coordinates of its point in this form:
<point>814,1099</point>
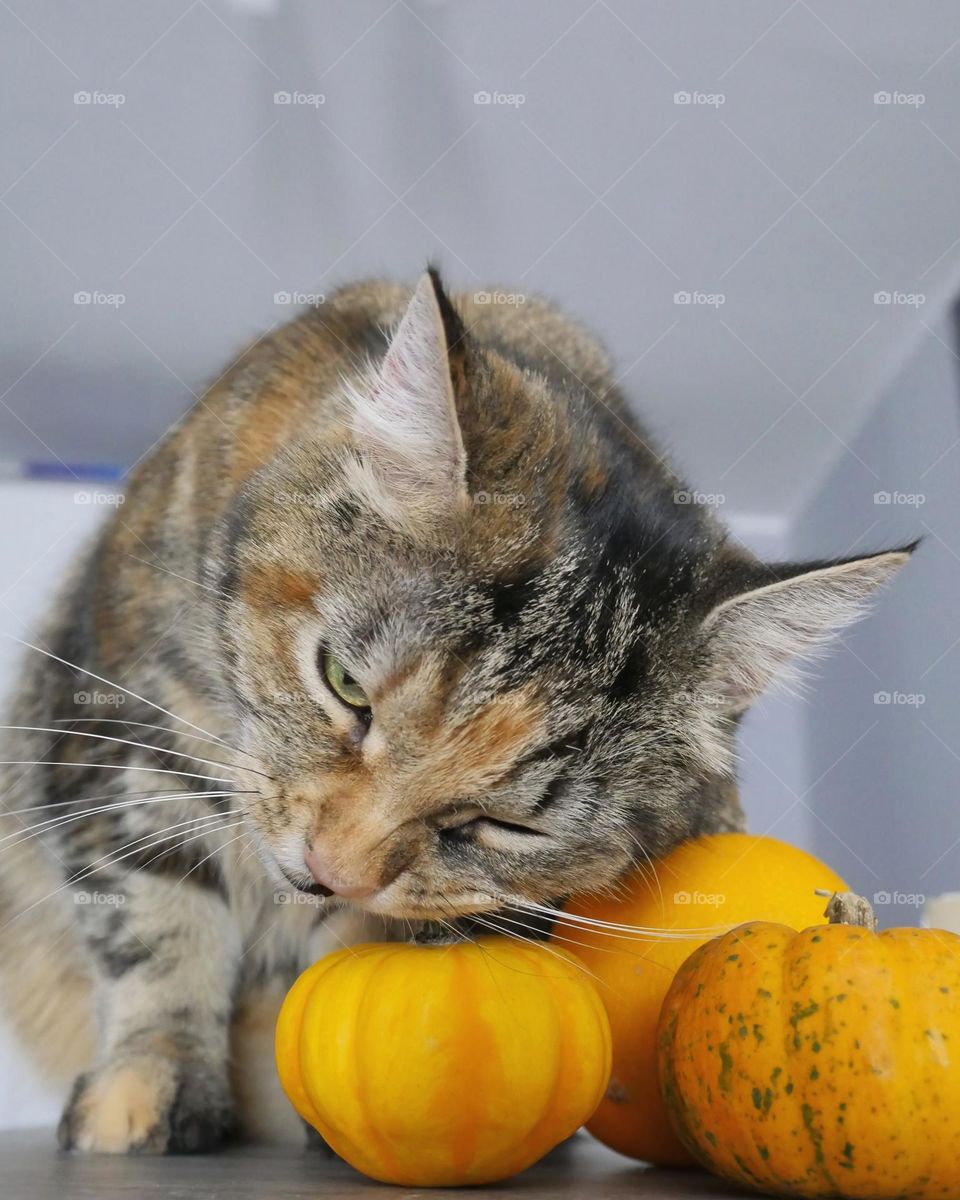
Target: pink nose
<point>324,874</point>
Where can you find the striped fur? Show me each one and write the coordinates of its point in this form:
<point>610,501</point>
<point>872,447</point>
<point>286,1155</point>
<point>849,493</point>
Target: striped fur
<point>555,644</point>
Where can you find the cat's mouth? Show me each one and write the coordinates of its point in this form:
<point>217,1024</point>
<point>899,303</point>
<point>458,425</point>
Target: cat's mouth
<point>308,886</point>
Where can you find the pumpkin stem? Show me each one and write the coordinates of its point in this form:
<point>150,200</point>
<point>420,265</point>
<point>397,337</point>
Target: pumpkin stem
<point>847,908</point>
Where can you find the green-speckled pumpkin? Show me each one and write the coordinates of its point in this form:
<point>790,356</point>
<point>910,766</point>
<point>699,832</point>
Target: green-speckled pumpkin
<point>821,1063</point>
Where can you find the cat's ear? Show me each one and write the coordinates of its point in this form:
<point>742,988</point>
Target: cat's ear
<point>405,423</point>
<point>776,614</point>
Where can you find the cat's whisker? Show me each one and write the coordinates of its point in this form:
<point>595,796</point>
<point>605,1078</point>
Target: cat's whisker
<point>146,725</point>
<point>205,832</point>
<point>556,937</point>
<point>30,831</point>
<point>649,932</point>
<point>206,857</point>
<point>538,944</point>
<point>88,766</point>
<point>124,795</point>
<point>104,737</point>
<point>110,683</point>
<point>106,861</point>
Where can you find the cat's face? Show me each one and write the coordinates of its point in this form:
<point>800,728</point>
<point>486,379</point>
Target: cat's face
<point>470,694</point>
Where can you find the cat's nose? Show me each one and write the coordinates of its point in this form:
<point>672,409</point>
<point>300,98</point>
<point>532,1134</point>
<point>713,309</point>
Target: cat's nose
<point>323,873</point>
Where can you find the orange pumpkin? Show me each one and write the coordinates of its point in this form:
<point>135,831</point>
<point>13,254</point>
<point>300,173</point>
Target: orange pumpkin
<point>706,885</point>
<point>432,1066</point>
<point>821,1063</point>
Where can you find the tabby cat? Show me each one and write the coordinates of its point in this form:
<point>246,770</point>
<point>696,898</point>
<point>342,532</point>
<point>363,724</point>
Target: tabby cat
<point>405,621</point>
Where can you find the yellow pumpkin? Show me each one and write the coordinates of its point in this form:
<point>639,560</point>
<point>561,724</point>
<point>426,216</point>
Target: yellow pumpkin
<point>444,1065</point>
<point>707,885</point>
<point>821,1063</point>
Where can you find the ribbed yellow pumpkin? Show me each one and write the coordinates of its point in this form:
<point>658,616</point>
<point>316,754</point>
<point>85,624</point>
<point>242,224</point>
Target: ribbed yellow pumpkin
<point>440,1066</point>
<point>720,880</point>
<point>821,1063</point>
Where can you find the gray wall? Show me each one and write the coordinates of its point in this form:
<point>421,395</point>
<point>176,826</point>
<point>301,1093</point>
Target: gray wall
<point>885,795</point>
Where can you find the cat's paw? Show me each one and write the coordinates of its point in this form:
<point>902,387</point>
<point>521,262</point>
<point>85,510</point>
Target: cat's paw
<point>147,1105</point>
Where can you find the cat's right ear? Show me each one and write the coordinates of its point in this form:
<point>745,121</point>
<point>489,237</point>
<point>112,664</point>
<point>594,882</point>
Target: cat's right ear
<point>412,462</point>
<point>768,616</point>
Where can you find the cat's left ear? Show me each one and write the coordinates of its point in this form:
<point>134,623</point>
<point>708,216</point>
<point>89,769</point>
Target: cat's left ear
<point>406,425</point>
<point>771,615</point>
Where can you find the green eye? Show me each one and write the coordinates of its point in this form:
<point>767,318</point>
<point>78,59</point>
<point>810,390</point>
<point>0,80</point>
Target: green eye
<point>342,683</point>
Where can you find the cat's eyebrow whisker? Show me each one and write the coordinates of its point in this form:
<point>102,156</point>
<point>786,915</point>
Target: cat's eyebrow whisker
<point>29,831</point>
<point>146,725</point>
<point>104,737</point>
<point>88,766</point>
<point>110,683</point>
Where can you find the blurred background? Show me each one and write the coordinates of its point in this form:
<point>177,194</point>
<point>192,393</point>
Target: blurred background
<point>753,202</point>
